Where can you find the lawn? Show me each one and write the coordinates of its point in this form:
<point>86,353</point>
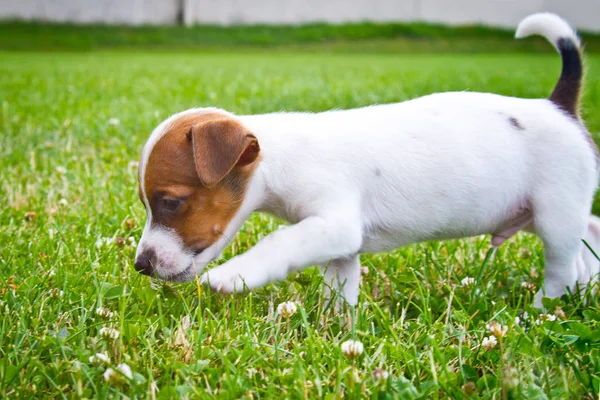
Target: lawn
<point>72,127</point>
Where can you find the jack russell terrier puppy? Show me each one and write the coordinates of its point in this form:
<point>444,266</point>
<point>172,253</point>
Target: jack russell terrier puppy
<point>443,166</point>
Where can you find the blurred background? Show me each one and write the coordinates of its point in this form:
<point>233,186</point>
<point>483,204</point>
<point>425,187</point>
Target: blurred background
<point>584,14</point>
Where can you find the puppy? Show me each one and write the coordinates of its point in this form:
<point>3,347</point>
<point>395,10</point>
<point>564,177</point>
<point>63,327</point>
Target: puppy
<point>443,166</point>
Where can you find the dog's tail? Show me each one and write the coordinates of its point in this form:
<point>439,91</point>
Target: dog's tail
<point>558,32</point>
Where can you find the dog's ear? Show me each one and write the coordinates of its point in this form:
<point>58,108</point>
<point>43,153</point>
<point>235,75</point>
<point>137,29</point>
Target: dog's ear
<point>219,146</point>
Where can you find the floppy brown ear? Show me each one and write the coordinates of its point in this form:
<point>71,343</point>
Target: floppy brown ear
<point>219,146</point>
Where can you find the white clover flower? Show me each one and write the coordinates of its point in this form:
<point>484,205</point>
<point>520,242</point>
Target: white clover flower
<point>63,202</point>
<point>61,170</point>
<point>364,271</point>
<point>287,309</point>
<point>114,121</point>
<point>560,313</point>
<point>510,377</point>
<point>125,370</point>
<point>468,281</point>
<point>109,333</point>
<point>352,348</point>
<point>517,320</point>
<point>380,375</point>
<point>104,312</point>
<point>99,358</point>
<point>132,241</point>
<point>528,286</point>
<point>114,377</point>
<point>489,342</point>
<point>103,242</point>
<point>111,376</point>
<point>545,317</point>
<point>496,329</point>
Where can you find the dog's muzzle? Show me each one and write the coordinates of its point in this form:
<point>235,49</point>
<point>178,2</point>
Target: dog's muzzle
<point>145,262</point>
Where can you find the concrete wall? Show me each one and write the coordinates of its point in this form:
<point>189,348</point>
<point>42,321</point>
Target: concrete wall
<point>134,12</point>
<point>584,14</point>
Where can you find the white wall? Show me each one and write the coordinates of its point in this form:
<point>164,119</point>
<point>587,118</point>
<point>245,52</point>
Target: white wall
<point>584,14</point>
<point>87,11</point>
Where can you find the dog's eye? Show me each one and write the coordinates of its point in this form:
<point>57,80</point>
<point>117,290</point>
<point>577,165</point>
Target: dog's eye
<point>171,205</point>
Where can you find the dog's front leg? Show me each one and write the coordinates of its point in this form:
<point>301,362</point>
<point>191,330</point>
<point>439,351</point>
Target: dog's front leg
<point>343,275</point>
<point>314,240</point>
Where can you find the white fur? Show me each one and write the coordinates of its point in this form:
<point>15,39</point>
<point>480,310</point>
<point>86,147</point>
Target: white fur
<point>549,25</point>
<point>588,264</point>
<point>443,166</point>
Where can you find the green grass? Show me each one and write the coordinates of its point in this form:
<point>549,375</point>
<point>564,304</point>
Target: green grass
<point>365,37</point>
<point>415,319</point>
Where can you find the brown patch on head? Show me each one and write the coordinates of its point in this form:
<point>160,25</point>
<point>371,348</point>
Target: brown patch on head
<point>219,146</point>
<point>197,174</point>
<point>516,124</point>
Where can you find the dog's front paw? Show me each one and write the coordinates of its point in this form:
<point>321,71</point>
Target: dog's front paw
<point>231,277</point>
<point>223,280</point>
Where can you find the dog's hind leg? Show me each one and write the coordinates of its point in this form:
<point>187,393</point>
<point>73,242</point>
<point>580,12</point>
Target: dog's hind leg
<point>560,220</point>
<point>588,263</point>
<point>343,276</point>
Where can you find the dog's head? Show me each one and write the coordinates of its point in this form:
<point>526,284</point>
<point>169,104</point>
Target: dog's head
<point>193,175</point>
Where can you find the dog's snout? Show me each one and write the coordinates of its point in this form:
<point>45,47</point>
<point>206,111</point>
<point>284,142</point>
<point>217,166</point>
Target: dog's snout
<point>144,263</point>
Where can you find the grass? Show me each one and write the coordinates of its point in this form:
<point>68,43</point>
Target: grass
<point>366,37</point>
<point>71,126</point>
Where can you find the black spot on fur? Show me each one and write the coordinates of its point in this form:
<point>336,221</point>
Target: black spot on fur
<point>516,124</point>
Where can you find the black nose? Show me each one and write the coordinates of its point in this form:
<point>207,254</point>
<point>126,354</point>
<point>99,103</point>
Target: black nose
<point>144,263</point>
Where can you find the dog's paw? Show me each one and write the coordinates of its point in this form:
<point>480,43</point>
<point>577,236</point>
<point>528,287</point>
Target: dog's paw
<point>231,277</point>
<point>223,280</point>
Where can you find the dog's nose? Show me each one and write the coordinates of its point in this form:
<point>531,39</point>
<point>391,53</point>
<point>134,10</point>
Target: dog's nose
<point>144,263</point>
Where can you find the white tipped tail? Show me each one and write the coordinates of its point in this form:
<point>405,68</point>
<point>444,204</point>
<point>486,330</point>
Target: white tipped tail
<point>548,25</point>
<point>557,31</point>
